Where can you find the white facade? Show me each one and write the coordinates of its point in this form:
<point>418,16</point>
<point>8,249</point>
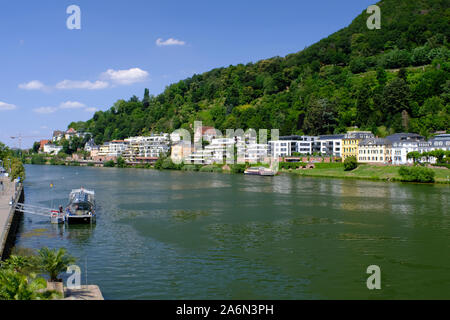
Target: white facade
<point>256,152</point>
<point>52,149</point>
<point>117,147</point>
<point>281,148</point>
<point>150,146</point>
<point>401,149</point>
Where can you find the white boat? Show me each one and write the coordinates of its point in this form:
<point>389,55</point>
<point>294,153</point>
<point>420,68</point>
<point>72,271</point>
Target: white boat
<point>81,207</point>
<point>259,171</point>
<point>57,217</point>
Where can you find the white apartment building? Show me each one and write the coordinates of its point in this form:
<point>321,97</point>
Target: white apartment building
<point>402,144</point>
<point>117,148</point>
<point>330,145</point>
<point>256,152</point>
<point>148,147</point>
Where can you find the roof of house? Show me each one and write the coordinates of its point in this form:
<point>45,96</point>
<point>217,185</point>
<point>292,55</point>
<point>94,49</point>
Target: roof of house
<point>71,130</point>
<point>332,136</point>
<point>404,136</point>
<point>375,141</point>
<point>359,135</point>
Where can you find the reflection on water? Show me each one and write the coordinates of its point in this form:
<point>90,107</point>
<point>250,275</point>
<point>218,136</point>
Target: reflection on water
<point>184,235</point>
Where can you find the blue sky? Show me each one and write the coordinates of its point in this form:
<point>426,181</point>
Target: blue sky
<point>50,75</point>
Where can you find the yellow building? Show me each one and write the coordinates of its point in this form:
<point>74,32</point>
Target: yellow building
<point>351,141</point>
<point>375,151</point>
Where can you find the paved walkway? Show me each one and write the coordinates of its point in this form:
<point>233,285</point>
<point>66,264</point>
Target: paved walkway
<point>90,292</point>
<point>6,192</point>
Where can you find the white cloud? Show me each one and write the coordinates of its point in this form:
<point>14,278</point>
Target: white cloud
<point>91,109</point>
<point>125,77</point>
<point>32,85</point>
<point>169,42</point>
<point>71,105</point>
<point>71,84</point>
<point>7,106</point>
<point>45,110</point>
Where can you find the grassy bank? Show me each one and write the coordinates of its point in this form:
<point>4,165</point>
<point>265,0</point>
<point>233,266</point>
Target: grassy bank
<point>367,172</point>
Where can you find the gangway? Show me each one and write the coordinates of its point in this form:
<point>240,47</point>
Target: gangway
<point>40,211</point>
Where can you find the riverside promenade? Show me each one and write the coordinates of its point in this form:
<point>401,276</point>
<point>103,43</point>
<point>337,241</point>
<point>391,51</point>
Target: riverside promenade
<point>8,216</point>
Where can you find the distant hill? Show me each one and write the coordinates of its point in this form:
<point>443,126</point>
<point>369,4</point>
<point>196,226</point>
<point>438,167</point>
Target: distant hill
<point>388,80</point>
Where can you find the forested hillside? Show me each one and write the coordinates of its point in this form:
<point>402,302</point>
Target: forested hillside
<point>393,79</point>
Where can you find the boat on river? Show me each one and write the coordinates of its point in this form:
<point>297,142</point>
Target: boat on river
<point>81,207</point>
<point>259,171</point>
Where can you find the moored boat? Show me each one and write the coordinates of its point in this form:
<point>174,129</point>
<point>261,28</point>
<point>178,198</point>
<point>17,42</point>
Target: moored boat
<point>57,217</point>
<point>259,171</point>
<point>81,208</point>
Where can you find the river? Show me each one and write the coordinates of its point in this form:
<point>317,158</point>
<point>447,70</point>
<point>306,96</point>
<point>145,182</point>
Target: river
<point>191,235</point>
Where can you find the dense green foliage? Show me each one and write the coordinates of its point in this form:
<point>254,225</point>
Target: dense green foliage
<point>350,163</point>
<point>18,274</point>
<point>109,164</point>
<point>53,261</point>
<point>441,156</point>
<point>416,174</point>
<point>351,78</point>
<point>12,162</point>
<point>328,165</point>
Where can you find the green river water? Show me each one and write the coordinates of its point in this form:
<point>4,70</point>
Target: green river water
<point>182,235</point>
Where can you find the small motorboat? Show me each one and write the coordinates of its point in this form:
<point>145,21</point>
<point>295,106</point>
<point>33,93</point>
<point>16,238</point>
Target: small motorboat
<point>81,208</point>
<point>57,217</point>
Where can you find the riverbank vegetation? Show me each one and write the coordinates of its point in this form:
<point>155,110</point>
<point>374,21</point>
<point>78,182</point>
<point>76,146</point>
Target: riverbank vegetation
<point>373,172</point>
<point>21,275</point>
<point>416,174</point>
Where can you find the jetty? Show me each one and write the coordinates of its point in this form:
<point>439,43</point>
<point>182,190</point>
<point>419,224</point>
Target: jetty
<point>11,193</point>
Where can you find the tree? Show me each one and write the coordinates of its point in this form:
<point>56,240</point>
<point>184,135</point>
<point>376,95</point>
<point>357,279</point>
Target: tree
<point>121,162</point>
<point>146,100</point>
<point>350,163</point>
<point>395,97</point>
<point>415,155</point>
<point>438,154</point>
<point>320,117</point>
<point>36,147</point>
<point>53,262</point>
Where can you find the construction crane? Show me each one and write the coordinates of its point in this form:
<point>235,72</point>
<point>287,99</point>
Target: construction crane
<point>19,138</point>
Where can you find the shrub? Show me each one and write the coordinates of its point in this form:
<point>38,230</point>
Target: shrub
<point>210,168</point>
<point>189,167</point>
<point>37,159</point>
<point>416,174</point>
<point>238,168</point>
<point>109,164</point>
<point>350,163</point>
